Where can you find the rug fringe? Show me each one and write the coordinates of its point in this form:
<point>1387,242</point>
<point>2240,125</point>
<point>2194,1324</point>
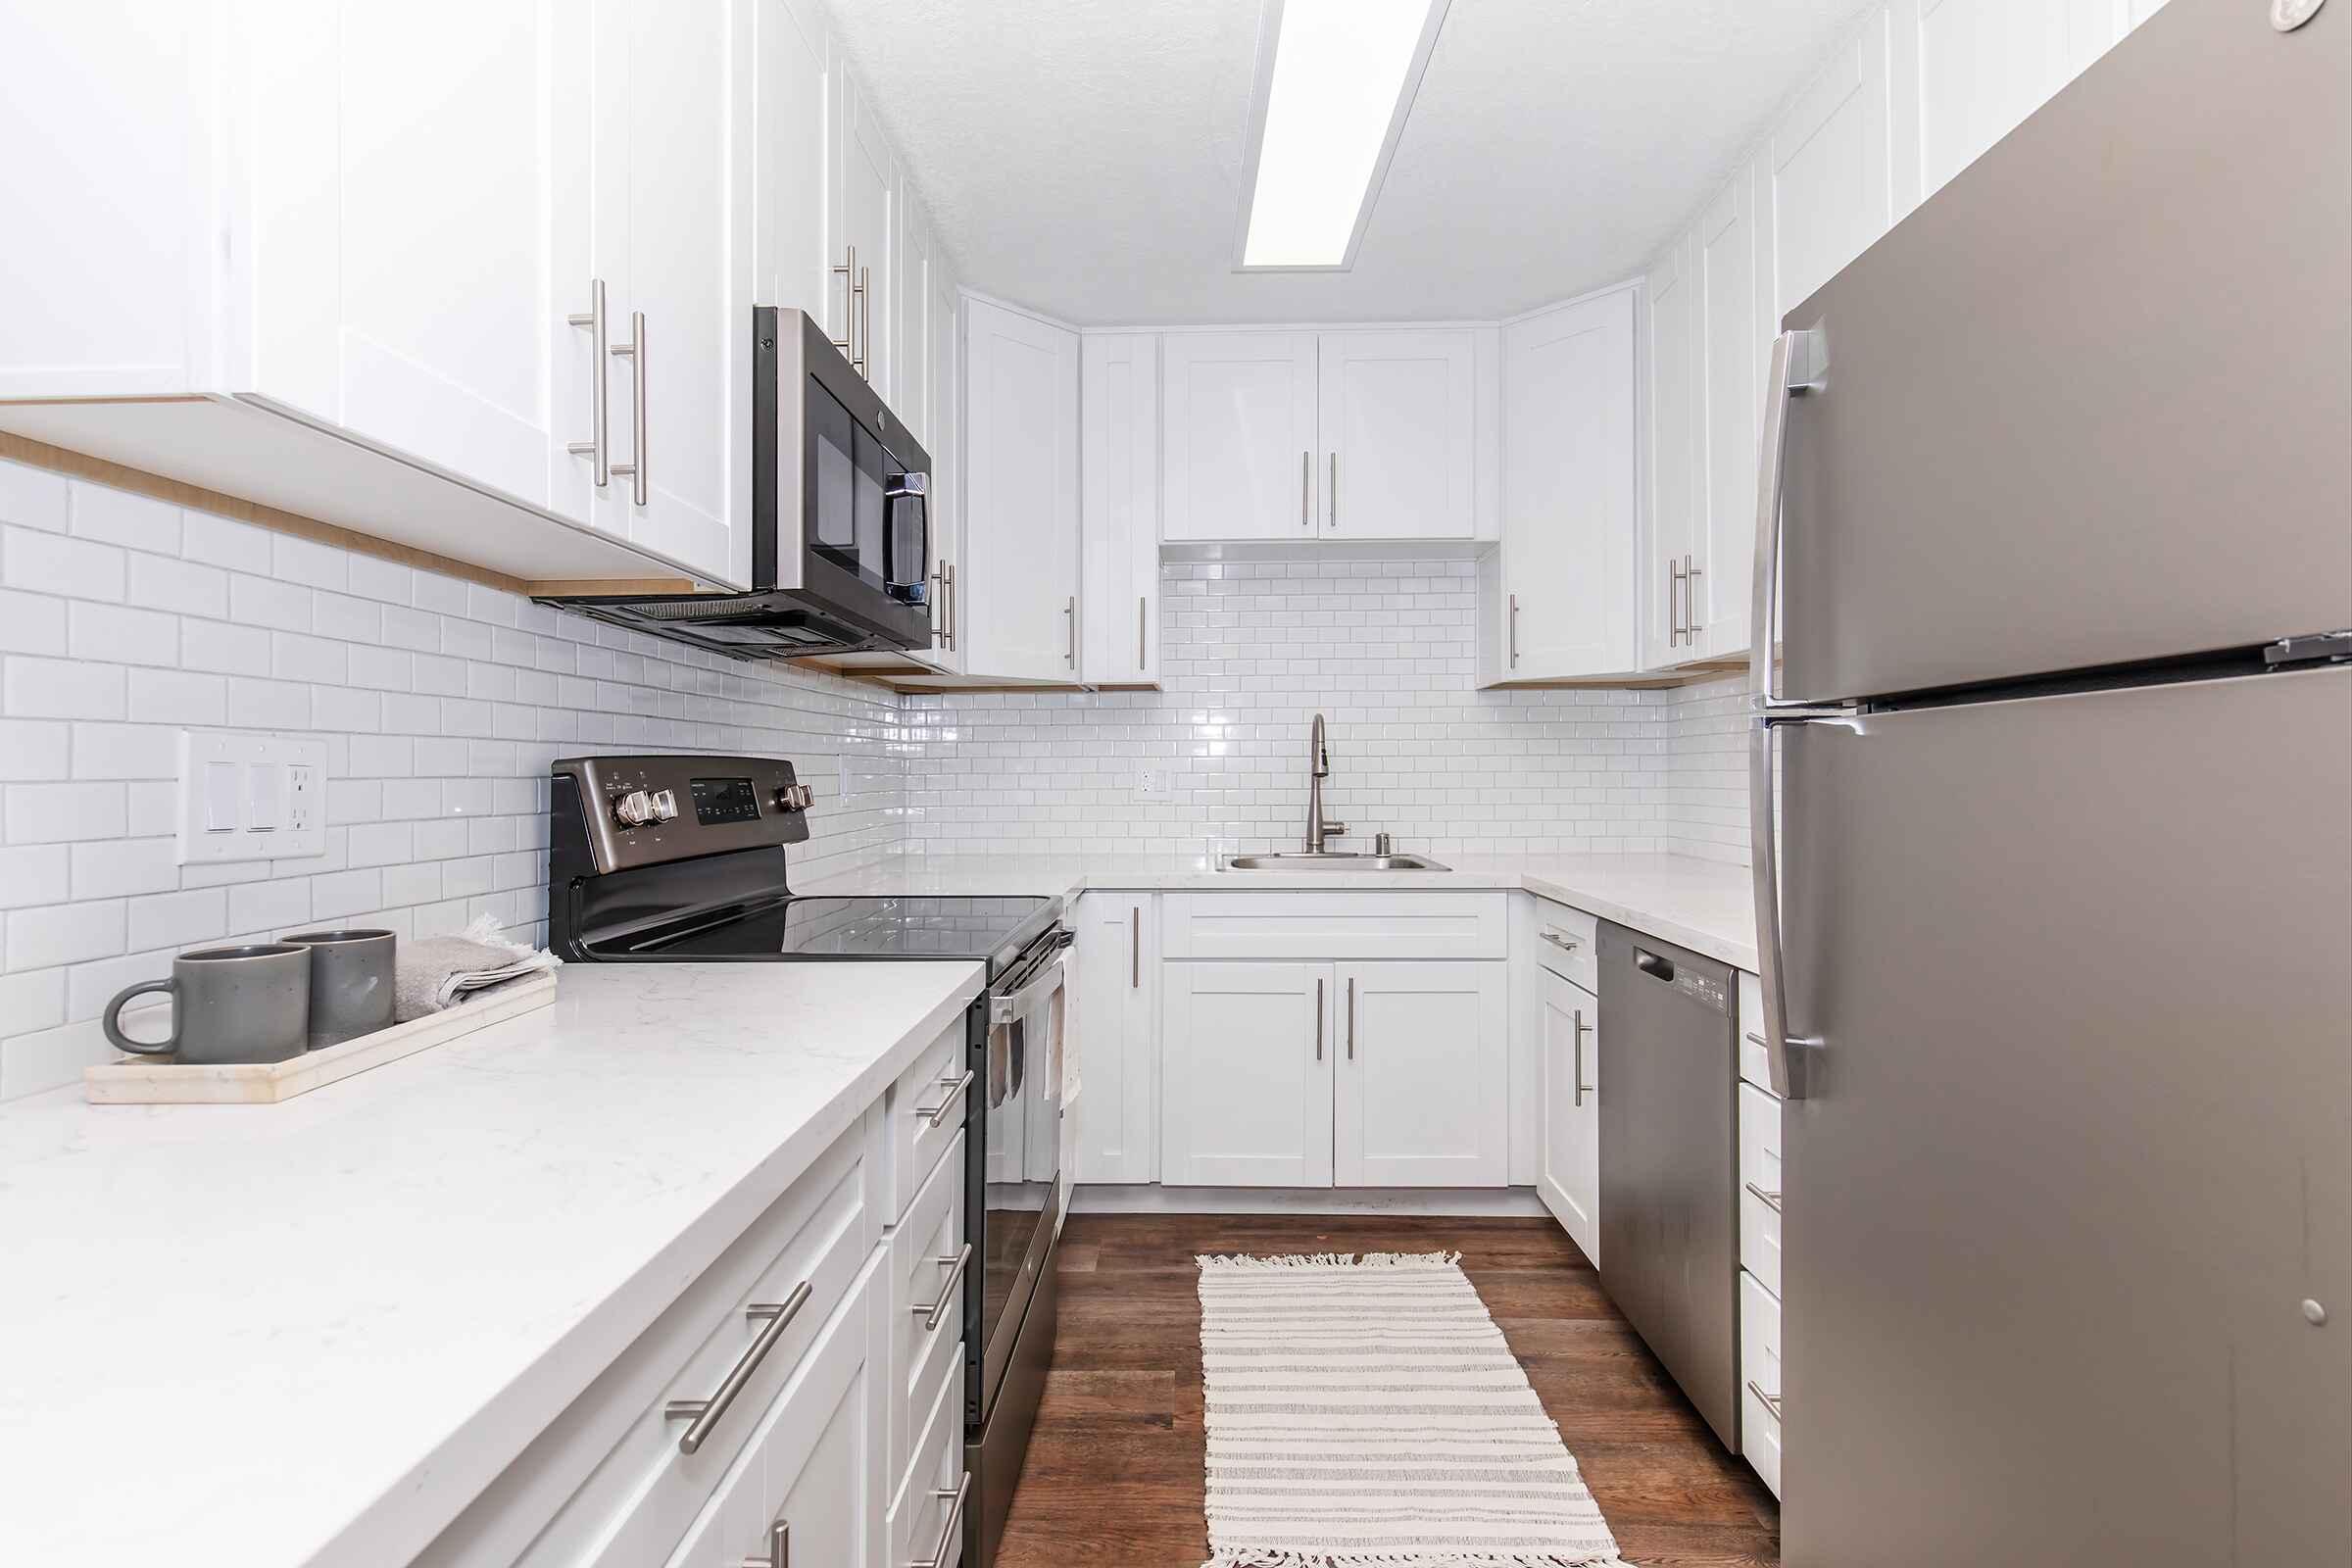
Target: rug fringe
<point>1245,1558</point>
<point>1209,1261</point>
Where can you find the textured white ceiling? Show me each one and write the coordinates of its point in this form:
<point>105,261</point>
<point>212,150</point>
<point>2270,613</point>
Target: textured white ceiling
<point>1083,156</point>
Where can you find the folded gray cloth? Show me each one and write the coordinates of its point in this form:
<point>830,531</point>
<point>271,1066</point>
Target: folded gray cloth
<point>434,973</point>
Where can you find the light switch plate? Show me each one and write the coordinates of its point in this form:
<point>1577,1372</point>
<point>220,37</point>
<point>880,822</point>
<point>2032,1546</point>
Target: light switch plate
<point>250,797</point>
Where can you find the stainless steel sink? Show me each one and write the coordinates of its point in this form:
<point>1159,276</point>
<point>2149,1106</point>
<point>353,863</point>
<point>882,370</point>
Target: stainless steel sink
<point>1332,860</point>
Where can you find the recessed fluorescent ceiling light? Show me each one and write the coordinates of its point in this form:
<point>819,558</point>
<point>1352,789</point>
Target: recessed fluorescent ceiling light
<point>1335,80</point>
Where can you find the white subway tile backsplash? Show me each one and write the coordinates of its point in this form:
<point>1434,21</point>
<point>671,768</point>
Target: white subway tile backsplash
<point>267,602</point>
<point>182,587</point>
<point>120,518</point>
<point>269,703</point>
<point>61,814</point>
<point>35,497</point>
<point>381,668</point>
<point>58,688</point>
<point>109,868</point>
<point>32,749</point>
<point>64,933</point>
<point>31,623</point>
<point>33,1000</point>
<point>221,542</point>
<point>219,645</point>
<point>35,874</point>
<point>307,562</point>
<point>123,635</point>
<point>124,751</point>
<point>387,580</point>
<point>275,908</point>
<point>55,564</point>
<point>175,920</point>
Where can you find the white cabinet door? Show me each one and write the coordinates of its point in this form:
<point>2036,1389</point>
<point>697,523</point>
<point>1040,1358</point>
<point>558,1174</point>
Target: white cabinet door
<point>1982,67</point>
<point>402,260</point>
<point>1423,1094</point>
<point>1017,600</point>
<point>1117,1030</point>
<point>1830,192</point>
<point>1246,1075</point>
<point>945,323</point>
<point>1568,1171</point>
<point>787,158</point>
<point>864,176</point>
<point>1673,493</point>
<point>687,387</point>
<point>910,315</point>
<point>1731,395</point>
<point>1119,529</point>
<point>1570,515</point>
<point>1239,435</point>
<point>1398,423</point>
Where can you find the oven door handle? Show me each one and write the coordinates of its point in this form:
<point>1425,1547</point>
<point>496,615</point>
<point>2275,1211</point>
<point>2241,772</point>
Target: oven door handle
<point>1003,1010</point>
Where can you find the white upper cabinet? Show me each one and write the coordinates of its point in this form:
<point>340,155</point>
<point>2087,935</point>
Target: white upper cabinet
<point>1119,508</point>
<point>1017,600</point>
<point>944,322</point>
<point>1397,420</point>
<point>1674,448</point>
<point>1240,435</point>
<point>1829,190</point>
<point>687,386</point>
<point>865,179</point>
<point>1569,510</point>
<point>1718,589</point>
<point>910,315</point>
<point>1970,70</point>
<point>788,160</point>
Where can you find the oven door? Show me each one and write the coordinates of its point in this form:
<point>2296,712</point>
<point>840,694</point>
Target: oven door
<point>1021,1159</point>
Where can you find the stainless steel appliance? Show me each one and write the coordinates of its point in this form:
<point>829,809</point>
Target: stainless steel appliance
<point>1669,1218</point>
<point>840,517</point>
<point>680,860</point>
<point>2052,915</point>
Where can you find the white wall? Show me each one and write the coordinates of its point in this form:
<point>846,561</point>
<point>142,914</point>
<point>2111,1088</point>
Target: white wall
<point>1385,651</point>
<point>123,621</point>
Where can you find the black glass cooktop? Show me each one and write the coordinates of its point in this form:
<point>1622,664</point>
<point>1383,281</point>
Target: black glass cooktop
<point>869,927</point>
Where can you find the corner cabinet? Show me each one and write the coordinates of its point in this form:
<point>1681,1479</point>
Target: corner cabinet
<point>1119,632</point>
<point>1016,605</point>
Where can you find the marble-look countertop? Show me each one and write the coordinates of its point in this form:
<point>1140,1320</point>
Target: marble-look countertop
<point>1706,906</point>
<point>311,1333</point>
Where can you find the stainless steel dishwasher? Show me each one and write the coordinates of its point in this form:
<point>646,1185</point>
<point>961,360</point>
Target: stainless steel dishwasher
<point>1669,1156</point>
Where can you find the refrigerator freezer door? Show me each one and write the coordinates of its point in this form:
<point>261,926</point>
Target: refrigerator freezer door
<point>2079,1146</point>
<point>2089,404</point>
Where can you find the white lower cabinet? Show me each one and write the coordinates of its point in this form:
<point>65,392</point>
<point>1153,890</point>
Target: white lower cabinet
<point>1760,1379</point>
<point>1568,1160</point>
<point>923,1527</point>
<point>1387,1073</point>
<point>1116,1027</point>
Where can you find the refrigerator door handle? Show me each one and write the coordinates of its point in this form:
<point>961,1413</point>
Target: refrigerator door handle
<point>1798,364</point>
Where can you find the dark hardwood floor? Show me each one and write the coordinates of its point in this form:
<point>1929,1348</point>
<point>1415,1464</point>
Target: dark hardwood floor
<point>1114,1469</point>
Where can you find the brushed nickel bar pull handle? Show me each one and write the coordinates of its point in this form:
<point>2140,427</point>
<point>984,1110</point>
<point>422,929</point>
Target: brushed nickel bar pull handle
<point>633,350</point>
<point>1582,1029</point>
<point>865,322</point>
<point>1330,500</point>
<point>1318,1020</point>
<point>948,571</point>
<point>939,610</point>
<point>1770,1403</point>
<point>936,1116</point>
<point>1135,949</point>
<point>1306,483</point>
<point>598,447</point>
<point>779,1547</point>
<point>704,1415</point>
<point>1351,1017</point>
<point>846,271</point>
<point>1514,631</point>
<point>1071,610</point>
<point>1564,944</point>
<point>947,1531</point>
<point>1674,614</point>
<point>1691,572</point>
<point>1772,1200</point>
<point>932,1312</point>
<point>1143,623</point>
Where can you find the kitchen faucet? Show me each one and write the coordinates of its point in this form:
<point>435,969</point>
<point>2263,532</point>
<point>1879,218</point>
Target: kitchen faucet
<point>1318,759</point>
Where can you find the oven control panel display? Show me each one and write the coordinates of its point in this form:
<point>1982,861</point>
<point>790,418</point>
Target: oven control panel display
<point>725,799</point>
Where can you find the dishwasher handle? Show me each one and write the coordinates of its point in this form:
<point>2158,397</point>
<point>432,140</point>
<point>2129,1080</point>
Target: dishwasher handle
<point>1653,965</point>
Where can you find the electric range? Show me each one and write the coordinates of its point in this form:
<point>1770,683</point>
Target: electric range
<point>681,859</point>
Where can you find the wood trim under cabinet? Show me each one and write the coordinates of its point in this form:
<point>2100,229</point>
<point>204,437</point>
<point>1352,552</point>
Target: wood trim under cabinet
<point>178,493</point>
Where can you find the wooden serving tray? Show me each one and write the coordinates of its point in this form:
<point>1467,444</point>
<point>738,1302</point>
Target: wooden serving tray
<point>144,1081</point>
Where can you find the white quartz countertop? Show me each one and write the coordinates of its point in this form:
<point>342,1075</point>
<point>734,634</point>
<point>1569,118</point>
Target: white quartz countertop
<point>311,1332</point>
<point>1706,906</point>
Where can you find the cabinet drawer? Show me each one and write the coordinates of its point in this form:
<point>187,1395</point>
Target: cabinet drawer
<point>809,1464</point>
<point>1753,1065</point>
<point>1565,940</point>
<point>1760,1186</point>
<point>1760,1379</point>
<point>931,1232</point>
<point>607,1483</point>
<point>923,1113</point>
<point>918,1527</point>
<point>1336,925</point>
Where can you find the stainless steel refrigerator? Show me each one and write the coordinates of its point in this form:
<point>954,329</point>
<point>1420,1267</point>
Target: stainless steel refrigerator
<point>2056,914</point>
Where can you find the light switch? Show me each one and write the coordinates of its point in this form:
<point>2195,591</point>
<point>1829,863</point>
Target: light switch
<point>219,797</point>
<point>262,781</point>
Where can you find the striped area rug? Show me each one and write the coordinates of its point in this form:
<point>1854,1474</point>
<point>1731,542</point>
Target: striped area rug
<point>1364,1412</point>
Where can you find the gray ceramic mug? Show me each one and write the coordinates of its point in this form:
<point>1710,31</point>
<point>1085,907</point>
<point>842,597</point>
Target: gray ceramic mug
<point>351,983</point>
<point>228,1004</point>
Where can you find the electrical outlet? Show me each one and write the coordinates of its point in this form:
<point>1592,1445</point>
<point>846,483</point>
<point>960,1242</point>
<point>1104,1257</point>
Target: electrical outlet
<point>1152,784</point>
<point>250,797</point>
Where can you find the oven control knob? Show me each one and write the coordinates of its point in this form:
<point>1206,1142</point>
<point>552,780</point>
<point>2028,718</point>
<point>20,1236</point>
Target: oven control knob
<point>639,806</point>
<point>665,805</point>
<point>795,798</point>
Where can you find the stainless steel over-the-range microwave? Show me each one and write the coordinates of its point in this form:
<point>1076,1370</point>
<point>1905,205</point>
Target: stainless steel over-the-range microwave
<point>841,517</point>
